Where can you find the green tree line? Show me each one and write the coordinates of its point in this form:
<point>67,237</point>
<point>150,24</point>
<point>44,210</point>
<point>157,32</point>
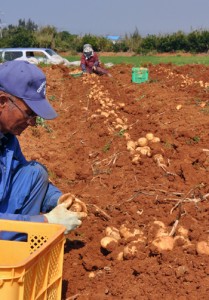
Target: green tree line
<point>29,34</point>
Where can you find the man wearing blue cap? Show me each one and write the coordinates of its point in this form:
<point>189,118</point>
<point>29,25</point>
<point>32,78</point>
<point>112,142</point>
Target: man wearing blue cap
<point>25,191</point>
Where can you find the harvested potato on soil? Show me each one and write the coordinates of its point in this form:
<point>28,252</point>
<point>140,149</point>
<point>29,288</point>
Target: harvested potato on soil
<point>127,233</point>
<point>202,247</point>
<point>155,139</point>
<point>136,159</point>
<point>131,145</point>
<point>182,231</point>
<point>120,256</point>
<point>77,71</point>
<point>158,158</point>
<point>164,243</point>
<point>149,136</point>
<point>145,150</point>
<point>112,232</point>
<point>158,229</point>
<point>142,141</point>
<point>109,243</point>
<point>130,251</point>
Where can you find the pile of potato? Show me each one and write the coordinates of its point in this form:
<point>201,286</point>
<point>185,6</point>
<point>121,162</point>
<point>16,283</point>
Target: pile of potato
<point>141,147</point>
<point>131,241</point>
<point>76,71</point>
<point>133,237</point>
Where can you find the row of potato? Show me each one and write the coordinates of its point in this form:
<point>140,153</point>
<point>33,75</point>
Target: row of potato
<point>186,79</point>
<point>108,108</point>
<point>136,240</point>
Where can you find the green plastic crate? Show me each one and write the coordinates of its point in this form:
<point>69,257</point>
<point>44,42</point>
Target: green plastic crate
<point>140,75</point>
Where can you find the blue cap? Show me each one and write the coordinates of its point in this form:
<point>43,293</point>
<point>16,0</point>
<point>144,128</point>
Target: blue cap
<point>26,81</point>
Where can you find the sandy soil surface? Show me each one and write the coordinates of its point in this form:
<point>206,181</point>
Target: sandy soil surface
<point>157,203</point>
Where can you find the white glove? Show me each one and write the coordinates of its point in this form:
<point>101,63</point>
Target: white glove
<point>60,215</point>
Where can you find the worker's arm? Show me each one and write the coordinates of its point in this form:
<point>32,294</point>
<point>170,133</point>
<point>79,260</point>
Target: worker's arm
<point>96,58</point>
<point>18,217</point>
<point>83,63</point>
<point>51,198</point>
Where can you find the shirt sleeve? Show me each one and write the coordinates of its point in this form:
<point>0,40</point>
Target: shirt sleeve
<point>18,217</point>
<point>83,63</point>
<point>51,198</point>
<point>96,60</point>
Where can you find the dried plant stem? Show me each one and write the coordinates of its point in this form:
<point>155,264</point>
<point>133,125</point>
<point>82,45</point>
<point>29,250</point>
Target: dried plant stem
<point>100,211</point>
<point>74,297</point>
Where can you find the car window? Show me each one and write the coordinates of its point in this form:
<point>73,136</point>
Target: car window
<point>29,54</point>
<point>40,55</point>
<point>1,57</point>
<point>51,52</point>
<point>10,55</point>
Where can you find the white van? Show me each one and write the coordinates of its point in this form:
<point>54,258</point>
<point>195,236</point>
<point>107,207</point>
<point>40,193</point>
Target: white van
<point>33,55</point>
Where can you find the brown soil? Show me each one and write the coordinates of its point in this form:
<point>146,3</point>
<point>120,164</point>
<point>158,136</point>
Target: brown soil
<point>85,151</point>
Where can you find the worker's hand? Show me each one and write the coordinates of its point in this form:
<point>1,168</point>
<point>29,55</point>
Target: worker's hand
<point>61,215</point>
<point>94,68</point>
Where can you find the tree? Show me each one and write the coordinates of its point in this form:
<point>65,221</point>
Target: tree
<point>20,37</point>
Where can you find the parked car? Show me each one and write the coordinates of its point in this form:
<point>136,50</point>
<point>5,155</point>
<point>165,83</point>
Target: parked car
<point>33,55</point>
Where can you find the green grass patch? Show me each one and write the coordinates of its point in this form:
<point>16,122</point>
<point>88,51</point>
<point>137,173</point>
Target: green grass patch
<point>145,60</point>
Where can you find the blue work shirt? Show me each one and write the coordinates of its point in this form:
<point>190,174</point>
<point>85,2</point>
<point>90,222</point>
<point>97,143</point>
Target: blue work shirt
<point>46,196</point>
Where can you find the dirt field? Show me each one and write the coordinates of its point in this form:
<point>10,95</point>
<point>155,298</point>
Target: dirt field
<point>85,150</point>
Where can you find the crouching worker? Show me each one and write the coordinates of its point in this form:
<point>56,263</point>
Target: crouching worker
<point>90,62</point>
<point>25,191</point>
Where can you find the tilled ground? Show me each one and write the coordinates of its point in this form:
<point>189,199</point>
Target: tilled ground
<point>93,150</point>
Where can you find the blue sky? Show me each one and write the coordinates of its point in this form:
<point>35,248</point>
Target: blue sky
<point>114,17</point>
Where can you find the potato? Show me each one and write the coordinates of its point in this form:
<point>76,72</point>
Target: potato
<point>120,256</point>
<point>105,114</point>
<point>159,223</point>
<point>127,233</point>
<point>159,229</point>
<point>158,158</point>
<point>182,231</point>
<point>142,141</point>
<point>202,247</point>
<point>155,139</point>
<point>131,145</point>
<point>161,232</point>
<point>136,159</point>
<point>145,150</point>
<point>127,136</point>
<point>119,121</point>
<point>149,136</point>
<point>179,106</point>
<point>164,243</point>
<point>112,232</point>
<point>76,204</point>
<point>109,243</point>
<point>92,275</point>
<point>130,251</point>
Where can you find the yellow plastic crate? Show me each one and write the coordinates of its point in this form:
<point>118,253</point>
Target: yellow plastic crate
<point>32,270</point>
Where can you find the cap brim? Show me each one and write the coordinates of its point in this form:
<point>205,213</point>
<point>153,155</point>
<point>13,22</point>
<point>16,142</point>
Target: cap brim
<point>42,108</point>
